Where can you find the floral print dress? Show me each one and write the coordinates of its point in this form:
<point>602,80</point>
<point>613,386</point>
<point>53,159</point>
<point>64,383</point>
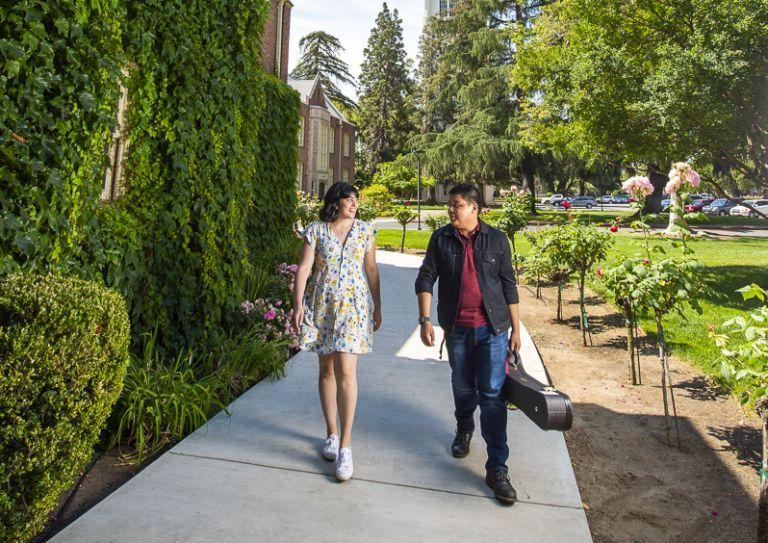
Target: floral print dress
<point>338,305</point>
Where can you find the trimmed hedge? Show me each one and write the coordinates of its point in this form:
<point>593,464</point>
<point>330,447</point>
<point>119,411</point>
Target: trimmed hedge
<point>63,357</point>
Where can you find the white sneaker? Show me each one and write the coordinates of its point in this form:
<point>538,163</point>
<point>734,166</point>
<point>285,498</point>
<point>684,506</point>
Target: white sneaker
<point>344,465</point>
<point>331,447</point>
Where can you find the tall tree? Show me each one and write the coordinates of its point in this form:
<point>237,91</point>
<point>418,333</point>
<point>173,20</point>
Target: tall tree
<point>469,113</point>
<point>320,54</point>
<point>647,83</point>
<point>386,88</point>
<point>478,146</point>
<point>436,94</point>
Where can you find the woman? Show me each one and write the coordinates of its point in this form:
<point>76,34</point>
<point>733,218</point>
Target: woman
<point>340,311</point>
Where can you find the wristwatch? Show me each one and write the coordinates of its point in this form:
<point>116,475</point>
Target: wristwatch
<point>422,320</point>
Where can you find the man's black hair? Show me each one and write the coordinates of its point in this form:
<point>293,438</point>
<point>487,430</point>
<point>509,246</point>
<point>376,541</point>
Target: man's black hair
<point>469,192</point>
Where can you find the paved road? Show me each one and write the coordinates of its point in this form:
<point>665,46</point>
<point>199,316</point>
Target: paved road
<point>258,476</point>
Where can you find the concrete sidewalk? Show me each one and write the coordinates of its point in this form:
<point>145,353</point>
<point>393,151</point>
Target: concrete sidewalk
<point>258,475</point>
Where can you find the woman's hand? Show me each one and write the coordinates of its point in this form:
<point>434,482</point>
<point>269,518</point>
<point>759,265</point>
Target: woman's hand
<point>376,319</point>
<point>298,318</point>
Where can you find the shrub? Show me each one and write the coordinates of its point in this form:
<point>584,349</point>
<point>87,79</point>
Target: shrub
<point>378,197</point>
<point>63,357</point>
<point>435,222</point>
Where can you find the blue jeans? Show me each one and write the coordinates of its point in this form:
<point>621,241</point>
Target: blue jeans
<point>478,369</point>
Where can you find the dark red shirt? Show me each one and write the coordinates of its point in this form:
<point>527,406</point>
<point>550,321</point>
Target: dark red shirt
<point>471,311</point>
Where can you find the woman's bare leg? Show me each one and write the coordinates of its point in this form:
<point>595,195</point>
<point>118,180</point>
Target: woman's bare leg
<point>326,384</point>
<point>345,369</point>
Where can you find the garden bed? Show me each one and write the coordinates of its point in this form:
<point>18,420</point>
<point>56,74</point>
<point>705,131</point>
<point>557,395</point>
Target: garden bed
<point>634,486</point>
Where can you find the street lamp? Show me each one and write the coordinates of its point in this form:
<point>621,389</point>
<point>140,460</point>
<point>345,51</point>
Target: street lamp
<point>418,190</point>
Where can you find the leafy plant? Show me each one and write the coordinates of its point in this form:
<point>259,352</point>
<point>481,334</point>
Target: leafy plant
<point>163,400</point>
<point>378,197</point>
<point>585,246</point>
<point>403,215</point>
<point>307,209</point>
<point>744,345</point>
<point>514,217</point>
<point>434,222</point>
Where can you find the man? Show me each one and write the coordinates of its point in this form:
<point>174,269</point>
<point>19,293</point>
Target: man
<point>477,303</point>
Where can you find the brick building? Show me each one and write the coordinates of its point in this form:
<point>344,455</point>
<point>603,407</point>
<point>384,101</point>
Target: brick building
<point>326,140</point>
<point>275,40</point>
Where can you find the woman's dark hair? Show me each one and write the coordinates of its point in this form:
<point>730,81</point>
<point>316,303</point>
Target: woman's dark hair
<point>469,192</point>
<point>336,192</point>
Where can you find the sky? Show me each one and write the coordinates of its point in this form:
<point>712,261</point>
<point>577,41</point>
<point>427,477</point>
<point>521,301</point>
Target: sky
<point>351,22</point>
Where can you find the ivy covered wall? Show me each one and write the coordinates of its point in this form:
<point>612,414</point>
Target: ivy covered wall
<point>210,174</point>
<point>60,65</point>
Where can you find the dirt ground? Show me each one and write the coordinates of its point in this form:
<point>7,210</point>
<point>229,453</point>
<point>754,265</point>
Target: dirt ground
<point>106,476</point>
<point>636,488</point>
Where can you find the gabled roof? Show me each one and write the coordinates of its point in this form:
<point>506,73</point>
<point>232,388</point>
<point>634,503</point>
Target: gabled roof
<point>306,88</point>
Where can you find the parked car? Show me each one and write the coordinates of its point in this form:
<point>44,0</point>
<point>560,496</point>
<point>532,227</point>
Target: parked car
<point>721,206</point>
<point>621,199</point>
<point>606,199</point>
<point>760,205</point>
<point>584,201</point>
<point>552,200</point>
<point>697,205</point>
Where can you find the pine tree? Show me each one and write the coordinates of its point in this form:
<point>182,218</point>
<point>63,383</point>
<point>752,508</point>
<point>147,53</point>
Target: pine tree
<point>435,92</point>
<point>470,108</point>
<point>386,100</point>
<point>320,54</point>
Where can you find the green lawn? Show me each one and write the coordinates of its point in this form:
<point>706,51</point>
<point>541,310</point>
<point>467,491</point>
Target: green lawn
<point>730,264</point>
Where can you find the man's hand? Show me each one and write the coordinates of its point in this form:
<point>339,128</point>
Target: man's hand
<point>427,334</point>
<point>514,341</point>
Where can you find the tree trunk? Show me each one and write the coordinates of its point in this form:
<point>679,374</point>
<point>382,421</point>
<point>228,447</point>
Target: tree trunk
<point>659,181</point>
<point>673,229</point>
<point>514,252</point>
<point>762,503</point>
<point>528,169</point>
<point>560,302</point>
<point>582,308</point>
<point>402,243</point>
<point>631,375</point>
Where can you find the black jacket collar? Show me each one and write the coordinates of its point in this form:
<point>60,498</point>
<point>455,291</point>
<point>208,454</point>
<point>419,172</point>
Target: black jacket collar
<point>450,230</point>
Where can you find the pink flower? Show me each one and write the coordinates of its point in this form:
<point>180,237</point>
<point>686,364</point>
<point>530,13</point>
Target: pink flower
<point>638,186</point>
<point>599,272</point>
<point>646,261</point>
<point>692,177</point>
<point>293,268</point>
<point>246,307</point>
<point>269,315</point>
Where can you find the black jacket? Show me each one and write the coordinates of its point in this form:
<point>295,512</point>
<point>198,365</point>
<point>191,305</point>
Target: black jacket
<point>493,260</point>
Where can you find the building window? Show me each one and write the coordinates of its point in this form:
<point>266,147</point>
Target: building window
<point>347,148</point>
<point>301,131</point>
<point>333,140</point>
<point>299,172</point>
<point>324,129</point>
<point>345,176</point>
<point>112,186</point>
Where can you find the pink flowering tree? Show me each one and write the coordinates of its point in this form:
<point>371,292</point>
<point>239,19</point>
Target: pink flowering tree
<point>681,179</point>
